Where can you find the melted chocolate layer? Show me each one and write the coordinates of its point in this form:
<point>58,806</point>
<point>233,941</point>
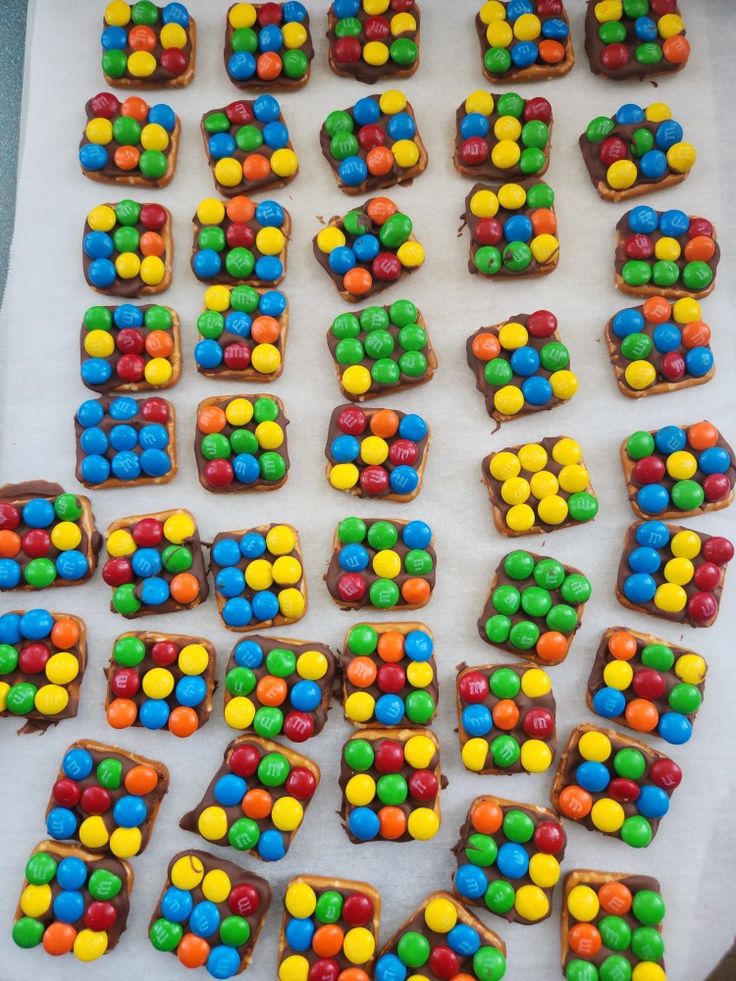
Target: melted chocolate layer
<point>226,338</point>
<point>633,69</point>
<point>361,70</point>
<point>597,170</point>
<point>135,287</point>
<point>282,82</point>
<point>114,174</point>
<point>540,69</point>
<point>223,277</point>
<point>487,170</point>
<point>160,77</point>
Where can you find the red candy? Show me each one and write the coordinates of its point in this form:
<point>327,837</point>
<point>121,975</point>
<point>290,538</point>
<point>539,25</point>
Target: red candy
<point>648,683</point>
<point>538,109</point>
<point>105,104</point>
<point>403,451</point>
<point>95,800</point>
<point>391,678</point>
<point>473,687</point>
<point>352,587</point>
<point>673,365</point>
<point>538,723</point>
<point>116,572</point>
<point>718,550</point>
<point>389,757</point>
<point>612,149</point>
<point>371,136</point>
<point>239,112</point>
<point>474,151</point>
<point>488,231</point>
<point>639,247</point>
<point>352,421</point>
<point>386,267</point>
<point>301,783</point>
<point>218,473</point>
<point>36,543</point>
<point>131,368</point>
<point>164,653</point>
<point>100,916</point>
<point>298,726</point>
<point>347,50</point>
<point>239,234</point>
<point>244,760</point>
<point>549,837</point>
<point>702,607</point>
<point>269,13</point>
<point>549,8</point>
<point>147,533</point>
<point>243,899</point>
<point>125,683</point>
<point>707,576</point>
<point>700,226</point>
<point>155,410</point>
<point>357,909</point>
<point>9,517</point>
<point>624,790</point>
<point>237,356</point>
<point>614,56</point>
<point>129,341</point>
<point>374,480</point>
<point>376,28</point>
<point>153,216</point>
<point>648,470</point>
<point>174,61</point>
<point>666,774</point>
<point>325,969</point>
<point>444,962</point>
<point>66,792</point>
<point>33,658</point>
<point>660,7</point>
<point>423,785</point>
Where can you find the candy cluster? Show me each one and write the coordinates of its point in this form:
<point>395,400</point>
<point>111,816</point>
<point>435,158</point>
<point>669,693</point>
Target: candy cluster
<point>275,686</point>
<point>381,563</point>
<point>268,45</point>
<point>368,248</point>
<point>659,347</point>
<point>155,564</point>
<point>500,136</point>
<point>372,39</point>
<point>524,39</point>
<point>508,859</point>
<point>647,684</point>
<point>248,146</point>
<point>380,349</point>
<point>124,441</point>
<point>242,333</point>
<point>615,785</point>
<point>390,784</point>
<point>128,348</point>
<point>126,248</point>
<point>143,44</point>
<point>241,443</point>
<point>506,719</point>
<point>257,800</point>
<point>521,366</point>
<point>106,799</point>
<point>42,660</point>
<point>160,681</point>
<point>259,579</point>
<point>534,607</point>
<point>239,241</point>
<point>635,38</point>
<point>390,675</point>
<point>512,230</point>
<point>539,486</point>
<point>376,452</point>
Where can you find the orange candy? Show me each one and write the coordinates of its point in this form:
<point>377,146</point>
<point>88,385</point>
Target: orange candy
<point>486,817</point>
<point>9,544</point>
<point>141,780</point>
<point>656,310</point>
<point>486,347</point>
<point>380,210</point>
<point>265,330</point>
<point>575,802</point>
<point>702,248</point>
<point>257,804</point>
<point>256,167</point>
<point>615,898</point>
<point>642,715</point>
<point>211,419</point>
<point>136,107</point>
<point>361,672</point>
<point>142,38</point>
<point>327,940</point>
<point>268,65</point>
<point>356,974</point>
<point>415,591</point>
<point>379,161</point>
<point>392,822</point>
<point>59,938</point>
<point>543,221</point>
<point>151,243</point>
<point>391,646</point>
<point>695,334</point>
<point>193,951</point>
<point>551,51</point>
<point>584,939</point>
<point>121,713</point>
<point>183,721</point>
<point>357,281</point>
<point>552,647</point>
<point>65,633</point>
<point>159,344</point>
<point>184,587</point>
<point>622,645</point>
<point>676,49</point>
<point>384,423</point>
<point>702,435</point>
<point>240,208</point>
<point>505,714</point>
<point>126,157</point>
<point>271,690</point>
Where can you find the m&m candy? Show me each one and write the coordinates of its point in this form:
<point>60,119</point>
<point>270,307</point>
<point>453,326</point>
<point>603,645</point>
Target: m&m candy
<point>376,453</point>
<point>612,926</point>
<point>275,686</point>
<point>210,913</point>
<point>534,606</point>
<point>389,675</point>
<point>129,142</point>
<point>524,40</point>
<point>123,441</point>
<point>242,333</point>
<point>539,487</point>
<point>367,249</point>
<point>382,563</point>
<point>148,46</point>
<point>521,365</point>
<point>47,537</point>
<point>508,859</point>
<point>513,230</point>
<point>502,136</point>
<point>506,719</point>
<point>647,684</point>
<point>442,939</point>
<point>380,349</point>
<point>248,147</point>
<point>665,253</point>
<point>72,902</point>
<point>259,577</point>
<point>373,144</point>
<point>638,150</point>
<point>160,681</point>
<point>614,784</point>
<point>240,443</point>
<point>127,348</point>
<point>673,572</point>
<point>240,241</point>
<point>328,926</point>
<point>43,656</point>
<point>373,39</point>
<point>675,471</point>
<point>660,347</point>
<point>126,249</point>
<point>155,564</point>
<point>257,800</point>
<point>390,783</point>
<point>268,46</point>
<point>635,38</point>
<point>106,798</point>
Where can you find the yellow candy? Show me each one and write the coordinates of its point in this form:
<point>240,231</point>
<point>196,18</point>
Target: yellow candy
<point>212,823</point>
<point>120,542</point>
<point>419,674</point>
<point>553,509</point>
<point>158,371</point>
<point>607,815</point>
<point>573,478</point>
<point>179,527</point>
<point>210,211</point>
<point>359,706</point>
<point>535,682</point>
<point>515,490</point>
<point>402,24</point>
<point>154,137</point>
<point>35,900</point>
<point>669,25</point>
<point>239,412</point>
<point>373,7</point>
<point>89,945</point>
<point>387,564</point>
<point>239,712</point>
<point>153,270</point>
<point>691,668</point>
<point>360,790</point>
<point>657,112</point>
<point>359,945</point>
<point>228,172</point>
<point>270,241</point>
<point>117,13</point>
<point>480,101</point>
<point>216,886</point>
<point>294,35</point>
<point>281,539</point>
<point>583,903</point>
<point>127,265</point>
<point>667,248</point>
<point>99,344</point>
<point>266,359</point>
<point>423,824</point>
<point>291,604</point>
<point>4,689</point>
<point>187,872</point>
<point>287,570</point>
<point>685,545</point>
<point>343,476</point>
<point>618,674</point>
<point>505,154</point>
<point>685,310</point>
<point>158,683</point>
<point>595,746</point>
<point>374,450</point>
<point>410,255</point>
<point>93,833</point>
<point>141,64</point>
<point>474,754</point>
<point>608,10</point>
<point>126,842</point>
<point>484,204</point>
<point>504,465</point>
<point>284,163</point>
<point>512,196</point>
<point>419,752</point>
<point>520,517</point>
<point>242,15</point>
<point>287,814</point>
<point>566,450</point>
<point>269,435</point>
<point>102,218</point>
<point>300,900</point>
<point>259,574</point>
<point>544,484</point>
<point>61,668</point>
<point>392,101</point>
<point>507,128</point>
<point>681,156</point>
<point>670,597</point>
<point>681,465</point>
<point>193,659</point>
<point>440,915</point>
<point>492,10</point>
<point>512,336</point>
<point>406,153</point>
<point>531,902</point>
<point>99,130</point>
<point>640,375</point>
<point>544,247</point>
<point>51,699</point>
<point>173,36</point>
<point>648,971</point>
<point>217,298</point>
<point>375,53</point>
<point>499,34</point>
<point>509,400</point>
<point>330,238</point>
<point>564,384</point>
<point>533,457</point>
<point>294,968</point>
<point>527,27</point>
<point>544,870</point>
<point>621,174</point>
<point>536,756</point>
<point>66,535</point>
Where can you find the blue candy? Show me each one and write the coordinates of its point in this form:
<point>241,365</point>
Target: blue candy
<point>154,591</point>
<point>77,763</point>
<point>609,702</point>
<point>366,111</point>
<point>176,904</point>
<point>204,918</point>
<point>345,448</point>
<point>593,777</point>
<point>246,468</point>
<point>390,968</point>
<point>175,13</point>
<point>555,28</point>
<point>266,109</point>
<point>270,212</point>
<point>699,361</point>
<point>412,427</point>
<point>524,54</point>
<point>237,612</point>
<point>518,228</point>
<point>474,124</point>
<point>272,303</point>
<point>644,559</point>
<point>341,260</point>
<point>208,354</point>
<point>9,573</point>
<point>292,10</point>
<point>207,264</point>
<point>653,164</point>
<point>154,713</point>
<point>477,720</point>
<point>230,581</point>
<point>675,728</point>
<point>652,802</point>
<point>223,962</point>
<point>61,823</point>
<point>353,171</point>
<point>418,645</point>
<point>270,38</point>
<point>221,145</point>
<point>643,220</point>
<point>353,557</point>
<point>537,390</point>
<point>714,460</point>
<point>655,534</point>
<point>123,438</point>
<point>674,223</point>
<point>389,710</point>
<point>417,534</point>
<point>102,273</point>
<point>404,479</point>
<point>645,29</point>
<point>639,588</point>
<point>191,690</point>
<point>401,126</point>
<point>230,789</point>
<point>470,881</point>
<point>10,627</point>
<point>146,562</point>
<point>299,933</point>
<point>630,113</point>
<point>670,439</point>
<point>90,413</point>
<point>248,654</point>
<point>93,157</point>
<point>630,321</point>
<point>525,361</point>
<point>163,115</point>
<point>668,133</point>
<point>366,247</point>
<point>94,469</point>
<point>653,499</point>
<point>123,408</point>
<point>155,463</point>
<point>271,845</point>
<point>305,696</point>
<point>71,873</point>
<point>114,39</point>
<point>127,315</point>
<point>252,545</point>
<point>130,811</point>
<point>241,66</point>
<point>238,323</point>
<point>72,565</point>
<point>94,440</point>
<point>265,605</point>
<point>666,337</point>
<point>512,860</point>
<point>269,268</point>
<point>96,371</point>
<point>68,907</point>
<point>275,135</point>
<point>226,552</point>
<point>363,823</point>
<point>98,245</point>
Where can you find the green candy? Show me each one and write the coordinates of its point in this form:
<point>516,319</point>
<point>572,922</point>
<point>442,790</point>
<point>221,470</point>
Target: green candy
<point>240,262</point>
<point>413,364</point>
<point>245,298</point>
<point>582,506</point>
<point>524,635</point>
<point>413,949</point>
<point>240,681</point>
<point>517,256</point>
<point>345,326</point>
<point>128,212</point>
<point>385,372</point>
<point>280,662</point>
<point>268,721</point>
<point>412,337</point>
<point>28,932</point>
<point>481,850</point>
<point>636,347</point>
<point>498,372</point>
<point>489,964</point>
<point>244,39</point>
<point>685,698</point>
<point>349,351</point>
<point>124,599</point>
<point>576,588</point>
<point>114,63</point>
<point>697,275</point>
<point>649,53</point>
<point>487,260</point>
<point>215,446</point>
<point>506,599</point>
<point>158,318</point>
<point>126,131</point>
<point>639,445</point>
<point>104,885</point>
<point>144,12</point>
<point>612,32</point>
<point>210,324</point>
<point>420,707</point>
<point>403,51</point>
<point>504,683</point>
<point>615,968</point>
<point>244,441</point>
<point>497,629</point>
<point>630,763</point>
<point>67,507</point>
<point>217,122</point>
<point>499,896</point>
<point>379,344</point>
<point>531,160</point>
<point>357,222</point>
<point>329,907</point>
<point>578,970</point>
<point>549,574</point>
<point>344,144</point>
<point>129,651</point>
<point>665,273</point>
<point>339,121</point>
<point>40,573</point>
<point>21,698</point>
<point>687,495</point>
<point>153,164</point>
<point>374,318</point>
<point>109,775</point>
<point>510,104</point>
<point>599,128</point>
<point>8,659</point>
<point>395,230</point>
<point>403,313</point>
<point>295,63</point>
<point>351,530</point>
<point>358,754</point>
<point>234,931</point>
<point>177,558</point>
<point>518,565</point>
<point>657,656</point>
<point>554,356</point>
<point>642,141</point>
<point>384,594</point>
<point>497,61</point>
<point>363,639</point>
<point>647,944</point>
<point>636,8</point>
<point>348,27</point>
<point>392,788</point>
<point>265,409</point>
<point>126,239</point>
<point>248,138</point>
<point>540,195</point>
<point>562,618</point>
<point>536,602</point>
<point>272,466</point>
<point>40,868</point>
<point>165,935</point>
<point>417,562</point>
<point>648,907</point>
<point>98,318</point>
<point>244,834</point>
<point>382,534</point>
<point>615,932</point>
<point>518,826</point>
<point>273,769</point>
<point>535,134</point>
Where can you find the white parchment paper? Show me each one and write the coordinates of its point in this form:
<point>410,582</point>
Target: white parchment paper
<point>693,853</point>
